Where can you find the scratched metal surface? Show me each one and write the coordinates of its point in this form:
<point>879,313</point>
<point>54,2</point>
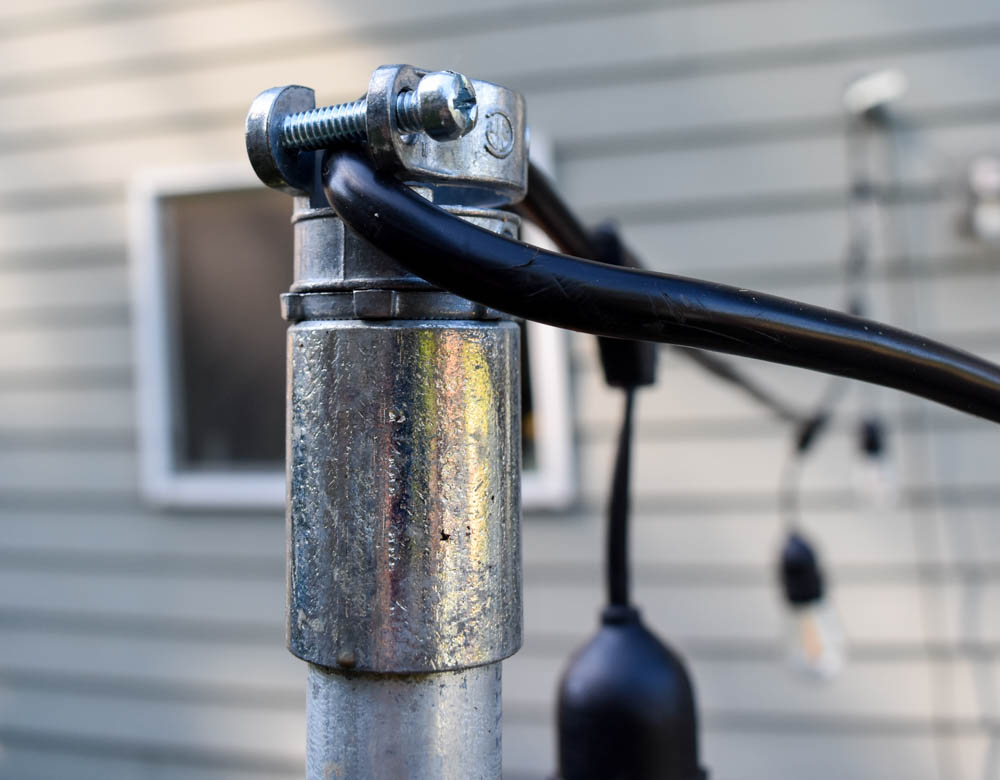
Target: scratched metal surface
<point>404,726</point>
<point>403,464</point>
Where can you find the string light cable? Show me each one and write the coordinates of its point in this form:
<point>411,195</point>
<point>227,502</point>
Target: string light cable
<point>578,294</point>
<point>544,206</point>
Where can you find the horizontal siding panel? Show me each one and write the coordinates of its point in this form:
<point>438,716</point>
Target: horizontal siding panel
<point>875,691</point>
<point>726,106</point>
<point>149,667</point>
<point>786,247</point>
<point>51,291</point>
<point>185,598</point>
<point>860,756</point>
<point>692,398</point>
<point>106,161</point>
<point>73,257</point>
<point>94,347</point>
<point>763,169</point>
<point>67,472</point>
<point>652,187</point>
<point>753,466</point>
<point>740,539</point>
<point>728,610</point>
<point>891,690</point>
<point>90,13</point>
<point>893,686</point>
<point>675,549</point>
<point>261,734</point>
<point>269,29</point>
<point>783,750</point>
<point>690,28</point>
<point>54,756</point>
<point>792,99</point>
<point>137,529</point>
<point>61,410</point>
<point>882,613</point>
<point>64,229</point>
<point>688,468</point>
<point>528,747</point>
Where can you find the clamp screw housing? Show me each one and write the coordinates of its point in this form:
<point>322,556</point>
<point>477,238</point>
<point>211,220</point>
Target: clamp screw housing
<point>443,106</point>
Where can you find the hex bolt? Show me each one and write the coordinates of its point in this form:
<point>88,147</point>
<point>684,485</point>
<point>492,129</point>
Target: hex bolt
<point>443,106</point>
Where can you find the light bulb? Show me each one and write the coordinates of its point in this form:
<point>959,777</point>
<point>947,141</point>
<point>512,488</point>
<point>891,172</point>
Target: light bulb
<point>814,637</point>
<point>872,91</point>
<point>875,481</point>
<point>874,475</point>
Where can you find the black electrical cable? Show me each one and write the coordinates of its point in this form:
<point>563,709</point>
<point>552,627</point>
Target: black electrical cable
<point>577,294</point>
<point>618,512</point>
<point>544,206</point>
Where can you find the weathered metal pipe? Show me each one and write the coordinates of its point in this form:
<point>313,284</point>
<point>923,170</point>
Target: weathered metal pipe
<point>404,548</point>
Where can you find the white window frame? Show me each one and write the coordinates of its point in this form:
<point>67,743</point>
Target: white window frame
<point>163,482</point>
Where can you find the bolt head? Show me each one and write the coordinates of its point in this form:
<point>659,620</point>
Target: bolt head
<point>277,167</point>
<point>447,105</point>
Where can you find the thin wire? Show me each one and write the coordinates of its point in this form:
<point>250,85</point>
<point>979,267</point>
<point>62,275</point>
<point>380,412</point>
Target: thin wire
<point>805,436</point>
<point>857,255</point>
<point>973,595</point>
<point>941,686</point>
<point>789,493</point>
<point>618,574</point>
<point>856,270</point>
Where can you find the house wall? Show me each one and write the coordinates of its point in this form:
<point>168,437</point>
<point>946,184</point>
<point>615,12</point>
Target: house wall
<point>136,643</point>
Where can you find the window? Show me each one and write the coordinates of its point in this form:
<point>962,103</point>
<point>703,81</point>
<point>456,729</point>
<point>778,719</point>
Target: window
<point>211,252</point>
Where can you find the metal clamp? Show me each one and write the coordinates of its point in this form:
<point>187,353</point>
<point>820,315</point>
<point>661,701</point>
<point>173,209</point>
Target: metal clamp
<point>488,165</point>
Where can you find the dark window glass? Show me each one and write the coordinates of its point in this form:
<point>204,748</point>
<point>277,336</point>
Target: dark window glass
<point>230,257</point>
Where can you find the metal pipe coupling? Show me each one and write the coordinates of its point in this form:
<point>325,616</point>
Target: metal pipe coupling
<point>403,479</point>
<point>403,461</point>
<point>404,450</point>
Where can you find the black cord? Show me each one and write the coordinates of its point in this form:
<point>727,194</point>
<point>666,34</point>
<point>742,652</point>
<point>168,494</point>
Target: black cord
<point>577,294</point>
<point>544,206</point>
<point>618,512</point>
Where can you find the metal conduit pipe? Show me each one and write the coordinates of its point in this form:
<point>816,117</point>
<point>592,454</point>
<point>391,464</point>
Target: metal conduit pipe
<point>404,551</point>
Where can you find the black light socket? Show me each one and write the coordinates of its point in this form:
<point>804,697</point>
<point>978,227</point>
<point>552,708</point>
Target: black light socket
<point>872,437</point>
<point>626,708</point>
<point>626,363</point>
<point>801,578</point>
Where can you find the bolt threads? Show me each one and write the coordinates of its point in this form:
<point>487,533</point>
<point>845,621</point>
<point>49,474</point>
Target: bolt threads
<point>408,112</point>
<point>326,126</point>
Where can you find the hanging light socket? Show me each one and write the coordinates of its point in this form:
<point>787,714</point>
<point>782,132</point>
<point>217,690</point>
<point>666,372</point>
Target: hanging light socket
<point>626,707</point>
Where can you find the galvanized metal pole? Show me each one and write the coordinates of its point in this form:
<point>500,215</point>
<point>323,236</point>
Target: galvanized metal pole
<point>404,570</point>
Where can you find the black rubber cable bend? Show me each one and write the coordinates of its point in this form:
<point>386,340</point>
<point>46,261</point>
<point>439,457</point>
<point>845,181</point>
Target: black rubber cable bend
<point>604,300</point>
<point>544,206</point>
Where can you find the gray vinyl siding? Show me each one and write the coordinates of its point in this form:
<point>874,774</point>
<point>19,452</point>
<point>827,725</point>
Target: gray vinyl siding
<point>142,644</point>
